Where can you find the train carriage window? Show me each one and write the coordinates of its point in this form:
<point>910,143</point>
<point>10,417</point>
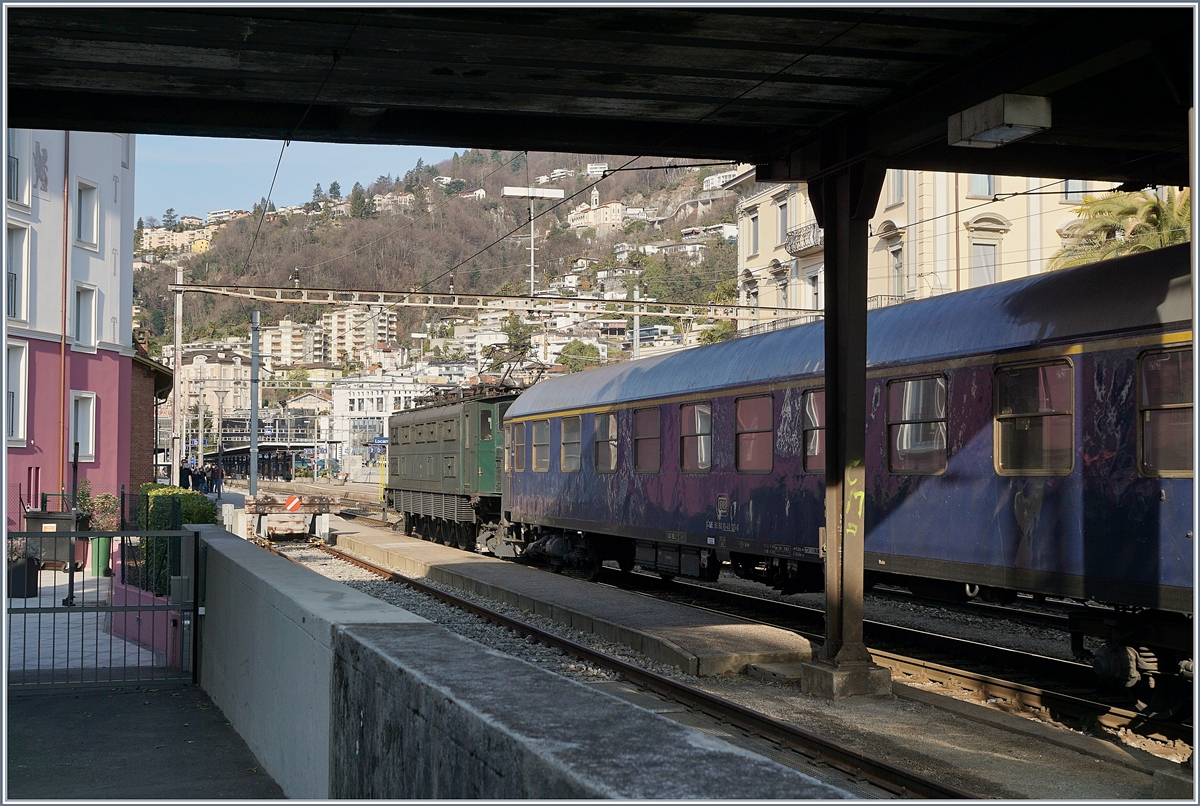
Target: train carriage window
<point>646,449</point>
<point>518,447</point>
<point>571,438</point>
<point>485,425</point>
<point>814,431</point>
<point>695,437</point>
<point>916,417</point>
<point>541,446</point>
<point>606,443</point>
<point>1165,413</point>
<point>755,434</point>
<point>1034,420</point>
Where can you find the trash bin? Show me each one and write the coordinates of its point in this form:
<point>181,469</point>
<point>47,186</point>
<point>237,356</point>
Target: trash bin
<point>58,549</point>
<point>101,552</point>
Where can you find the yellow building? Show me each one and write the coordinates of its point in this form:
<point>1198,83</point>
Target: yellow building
<point>932,233</point>
<point>201,245</point>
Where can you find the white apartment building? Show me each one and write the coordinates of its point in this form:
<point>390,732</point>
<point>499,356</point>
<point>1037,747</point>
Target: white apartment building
<point>932,233</point>
<point>349,331</point>
<point>292,342</point>
<point>600,217</point>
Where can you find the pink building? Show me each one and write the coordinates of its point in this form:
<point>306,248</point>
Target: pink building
<point>69,369</point>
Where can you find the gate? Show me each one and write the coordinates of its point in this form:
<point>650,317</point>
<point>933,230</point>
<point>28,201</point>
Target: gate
<point>86,608</point>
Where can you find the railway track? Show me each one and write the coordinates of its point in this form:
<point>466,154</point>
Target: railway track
<point>857,768</point>
<point>1064,691</point>
<point>1012,680</point>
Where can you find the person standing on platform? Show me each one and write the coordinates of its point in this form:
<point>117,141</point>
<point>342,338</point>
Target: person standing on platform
<point>185,475</point>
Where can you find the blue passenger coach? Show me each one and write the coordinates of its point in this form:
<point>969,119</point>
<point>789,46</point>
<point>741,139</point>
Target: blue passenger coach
<point>1033,435</point>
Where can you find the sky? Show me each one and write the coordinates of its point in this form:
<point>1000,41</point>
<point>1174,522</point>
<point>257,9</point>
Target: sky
<point>198,174</point>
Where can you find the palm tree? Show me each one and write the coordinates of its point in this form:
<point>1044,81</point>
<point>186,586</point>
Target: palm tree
<point>1124,223</point>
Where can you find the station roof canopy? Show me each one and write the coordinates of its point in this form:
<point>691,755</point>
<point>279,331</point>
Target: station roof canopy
<point>798,90</point>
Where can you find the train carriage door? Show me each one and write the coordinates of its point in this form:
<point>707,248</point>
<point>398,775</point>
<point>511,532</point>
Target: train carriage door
<point>488,459</point>
<point>468,445</point>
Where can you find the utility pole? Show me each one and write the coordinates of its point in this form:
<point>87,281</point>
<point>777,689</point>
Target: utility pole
<point>254,403</point>
<point>176,385</point>
<point>637,324</point>
<point>531,194</point>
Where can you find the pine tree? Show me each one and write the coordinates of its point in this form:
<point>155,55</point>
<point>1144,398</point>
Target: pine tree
<point>335,191</point>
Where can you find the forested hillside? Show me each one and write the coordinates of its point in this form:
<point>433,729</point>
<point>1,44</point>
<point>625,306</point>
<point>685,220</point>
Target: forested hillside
<point>482,243</point>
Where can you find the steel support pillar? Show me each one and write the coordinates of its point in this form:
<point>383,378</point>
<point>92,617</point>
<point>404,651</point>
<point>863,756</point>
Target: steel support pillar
<point>844,203</point>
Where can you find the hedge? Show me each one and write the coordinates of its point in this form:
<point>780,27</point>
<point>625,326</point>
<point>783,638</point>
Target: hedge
<point>151,564</point>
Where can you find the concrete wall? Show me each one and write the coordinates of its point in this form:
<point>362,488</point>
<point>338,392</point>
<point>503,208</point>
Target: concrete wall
<point>341,695</point>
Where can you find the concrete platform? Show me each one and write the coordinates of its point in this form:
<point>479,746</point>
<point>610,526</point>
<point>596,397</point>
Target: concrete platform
<point>121,744</point>
<point>696,641</point>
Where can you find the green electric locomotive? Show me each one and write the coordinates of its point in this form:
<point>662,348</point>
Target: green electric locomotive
<point>445,467</point>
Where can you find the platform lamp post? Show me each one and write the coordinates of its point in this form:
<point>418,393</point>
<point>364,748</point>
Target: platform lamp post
<point>220,441</point>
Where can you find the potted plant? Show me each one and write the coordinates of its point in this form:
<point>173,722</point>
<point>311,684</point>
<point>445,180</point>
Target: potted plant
<point>24,562</point>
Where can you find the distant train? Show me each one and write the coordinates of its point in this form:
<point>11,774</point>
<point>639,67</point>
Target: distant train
<point>1030,436</point>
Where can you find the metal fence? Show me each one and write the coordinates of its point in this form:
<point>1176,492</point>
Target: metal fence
<point>115,607</point>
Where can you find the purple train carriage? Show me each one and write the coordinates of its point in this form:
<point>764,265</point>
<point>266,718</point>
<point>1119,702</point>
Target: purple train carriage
<point>1030,436</point>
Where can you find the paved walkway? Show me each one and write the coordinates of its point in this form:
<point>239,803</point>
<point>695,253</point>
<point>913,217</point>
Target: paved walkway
<point>149,743</point>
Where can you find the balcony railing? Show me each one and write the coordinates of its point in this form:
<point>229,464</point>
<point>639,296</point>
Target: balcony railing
<point>883,301</point>
<point>805,239</point>
<point>780,324</point>
<point>12,186</point>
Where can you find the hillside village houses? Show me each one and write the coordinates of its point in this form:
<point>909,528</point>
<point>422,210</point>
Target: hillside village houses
<point>604,218</point>
<point>913,249</point>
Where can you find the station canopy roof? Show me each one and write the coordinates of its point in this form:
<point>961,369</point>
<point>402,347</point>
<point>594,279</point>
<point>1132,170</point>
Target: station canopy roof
<point>798,90</point>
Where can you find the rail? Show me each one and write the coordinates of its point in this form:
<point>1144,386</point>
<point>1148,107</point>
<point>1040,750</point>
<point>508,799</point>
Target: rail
<point>880,773</point>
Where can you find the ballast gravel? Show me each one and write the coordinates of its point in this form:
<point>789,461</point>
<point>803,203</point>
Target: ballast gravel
<point>992,763</point>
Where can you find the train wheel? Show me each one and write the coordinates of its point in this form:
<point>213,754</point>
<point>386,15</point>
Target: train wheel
<point>666,576</point>
<point>590,568</point>
<point>1162,696</point>
<point>408,523</point>
<point>625,564</point>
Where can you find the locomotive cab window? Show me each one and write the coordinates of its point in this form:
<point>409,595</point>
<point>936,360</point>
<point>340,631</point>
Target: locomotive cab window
<point>695,437</point>
<point>755,434</point>
<point>1034,420</point>
<point>541,446</point>
<point>814,431</point>
<point>646,448</point>
<point>485,425</point>
<point>916,416</point>
<point>518,447</point>
<point>1165,413</point>
<point>571,439</point>
<point>605,455</point>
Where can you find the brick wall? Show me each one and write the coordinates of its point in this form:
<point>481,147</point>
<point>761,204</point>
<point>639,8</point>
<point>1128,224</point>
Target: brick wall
<point>141,447</point>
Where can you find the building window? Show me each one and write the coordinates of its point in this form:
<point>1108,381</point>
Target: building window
<point>541,446</point>
<point>485,425</point>
<point>752,242</point>
<point>83,425</point>
<point>1165,413</point>
<point>1073,190</point>
<point>695,437</point>
<point>917,426</point>
<point>87,213</point>
<point>571,439</point>
<point>896,250</point>
<point>813,429</point>
<point>895,182</point>
<point>605,443</point>
<point>783,222</point>
<point>755,436</point>
<point>1034,422</point>
<point>646,449</point>
<point>85,316</point>
<point>16,254</point>
<point>982,186</point>
<point>983,262</point>
<point>379,404</point>
<point>16,175</point>
<point>16,391</point>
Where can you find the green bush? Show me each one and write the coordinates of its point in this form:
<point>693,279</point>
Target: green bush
<point>152,562</point>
